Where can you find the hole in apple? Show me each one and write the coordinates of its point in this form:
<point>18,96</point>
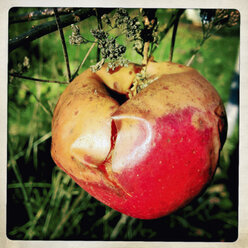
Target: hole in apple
<point>120,98</point>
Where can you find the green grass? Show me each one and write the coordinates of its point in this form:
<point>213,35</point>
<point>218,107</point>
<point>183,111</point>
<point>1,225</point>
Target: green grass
<point>44,203</point>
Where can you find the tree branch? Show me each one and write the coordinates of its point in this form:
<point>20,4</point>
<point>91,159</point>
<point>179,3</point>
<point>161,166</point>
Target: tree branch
<point>63,43</point>
<point>51,26</point>
<point>38,15</point>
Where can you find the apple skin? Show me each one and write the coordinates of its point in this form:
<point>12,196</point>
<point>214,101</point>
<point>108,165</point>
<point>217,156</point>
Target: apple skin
<point>149,156</point>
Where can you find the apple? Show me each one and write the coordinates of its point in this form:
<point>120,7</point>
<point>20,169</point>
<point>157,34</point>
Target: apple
<point>149,155</point>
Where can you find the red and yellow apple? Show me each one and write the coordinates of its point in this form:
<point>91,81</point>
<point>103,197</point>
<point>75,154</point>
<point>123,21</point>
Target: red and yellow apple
<point>150,155</point>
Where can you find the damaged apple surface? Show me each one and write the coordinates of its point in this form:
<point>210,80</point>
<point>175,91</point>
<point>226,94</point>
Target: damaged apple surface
<point>148,155</point>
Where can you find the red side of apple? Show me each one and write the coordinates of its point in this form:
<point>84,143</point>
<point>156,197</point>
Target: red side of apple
<point>149,156</point>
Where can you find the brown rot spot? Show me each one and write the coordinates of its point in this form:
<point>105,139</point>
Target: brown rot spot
<point>111,71</point>
<point>198,122</point>
<point>165,88</point>
<point>76,112</point>
<point>219,111</point>
<point>180,66</point>
<point>68,103</point>
<point>72,158</point>
<point>137,69</point>
<point>130,72</point>
<point>112,107</point>
<point>222,123</point>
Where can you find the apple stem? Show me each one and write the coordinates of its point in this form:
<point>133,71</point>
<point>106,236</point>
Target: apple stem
<point>149,24</point>
<point>145,53</point>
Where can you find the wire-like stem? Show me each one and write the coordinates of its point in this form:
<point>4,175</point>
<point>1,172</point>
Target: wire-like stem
<point>99,22</point>
<point>48,111</point>
<point>85,57</point>
<point>211,27</point>
<point>36,79</point>
<point>170,24</point>
<point>173,38</point>
<point>190,61</point>
<point>63,43</point>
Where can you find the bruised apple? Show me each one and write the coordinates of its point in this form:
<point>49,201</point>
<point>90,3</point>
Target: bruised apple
<point>149,155</point>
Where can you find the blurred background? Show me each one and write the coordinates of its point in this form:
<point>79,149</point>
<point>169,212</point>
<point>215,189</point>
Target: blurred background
<point>43,203</point>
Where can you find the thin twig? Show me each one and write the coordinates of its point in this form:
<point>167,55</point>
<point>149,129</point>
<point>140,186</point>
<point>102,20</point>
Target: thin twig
<point>51,26</point>
<point>99,22</point>
<point>36,79</point>
<point>190,61</point>
<point>38,15</point>
<point>63,44</point>
<point>170,24</point>
<point>48,111</point>
<point>85,57</point>
<point>207,33</point>
<point>36,98</point>
<point>173,38</point>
